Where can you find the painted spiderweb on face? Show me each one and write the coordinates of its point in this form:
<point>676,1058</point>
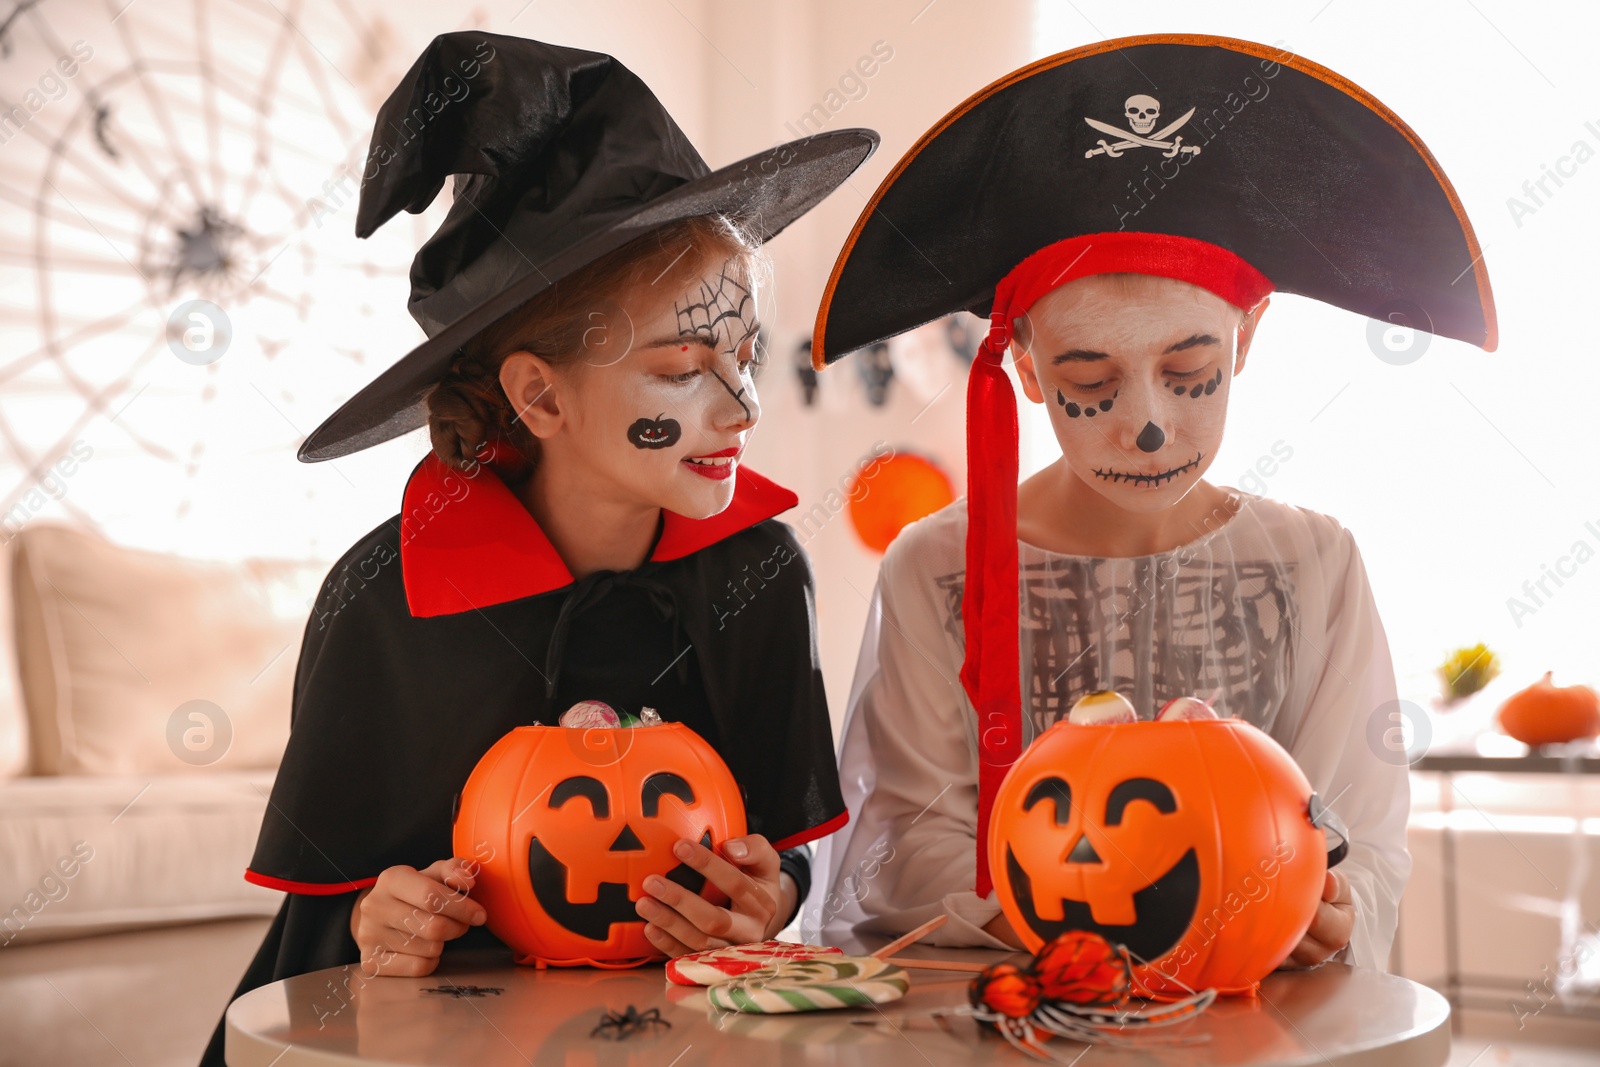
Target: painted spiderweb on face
<point>1151,628</point>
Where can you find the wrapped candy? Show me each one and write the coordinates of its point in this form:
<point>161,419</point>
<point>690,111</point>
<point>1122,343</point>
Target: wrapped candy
<point>1101,708</point>
<point>722,964</point>
<point>1185,708</point>
<point>590,714</point>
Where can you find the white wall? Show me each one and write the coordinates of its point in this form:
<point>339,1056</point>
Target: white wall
<point>1463,474</point>
<point>796,54</point>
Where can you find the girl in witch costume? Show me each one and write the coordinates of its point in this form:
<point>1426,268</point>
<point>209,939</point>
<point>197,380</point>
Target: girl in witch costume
<point>590,305</point>
<point>1123,248</point>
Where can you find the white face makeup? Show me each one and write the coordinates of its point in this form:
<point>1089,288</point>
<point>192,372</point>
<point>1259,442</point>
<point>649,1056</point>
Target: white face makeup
<point>667,423</point>
<point>1135,371</point>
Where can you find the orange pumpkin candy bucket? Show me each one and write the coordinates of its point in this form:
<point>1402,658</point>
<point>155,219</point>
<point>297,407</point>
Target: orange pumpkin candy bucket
<point>1193,843</point>
<point>566,823</point>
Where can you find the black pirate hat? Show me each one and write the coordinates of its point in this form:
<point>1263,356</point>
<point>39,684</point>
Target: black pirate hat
<point>1234,166</point>
<point>560,156</point>
<point>1283,162</point>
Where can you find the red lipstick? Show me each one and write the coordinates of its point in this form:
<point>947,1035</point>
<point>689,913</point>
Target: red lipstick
<point>715,465</point>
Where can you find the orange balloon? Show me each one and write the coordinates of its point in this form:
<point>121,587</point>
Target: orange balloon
<point>892,494</point>
<point>567,823</point>
<point>1188,841</point>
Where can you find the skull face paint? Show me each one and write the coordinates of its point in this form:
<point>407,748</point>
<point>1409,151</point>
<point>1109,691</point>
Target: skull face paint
<point>1139,368</point>
<point>1151,438</point>
<point>1194,392</point>
<point>666,423</point>
<point>1074,410</point>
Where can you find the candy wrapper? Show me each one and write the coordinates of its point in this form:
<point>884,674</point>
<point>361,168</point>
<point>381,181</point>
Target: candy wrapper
<point>590,714</point>
<point>1186,708</point>
<point>722,964</point>
<point>1101,708</point>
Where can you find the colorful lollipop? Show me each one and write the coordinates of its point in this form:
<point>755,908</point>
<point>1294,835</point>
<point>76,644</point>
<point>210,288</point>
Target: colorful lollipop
<point>722,964</point>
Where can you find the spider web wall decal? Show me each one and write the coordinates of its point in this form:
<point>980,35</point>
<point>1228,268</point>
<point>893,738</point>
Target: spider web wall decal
<point>161,153</point>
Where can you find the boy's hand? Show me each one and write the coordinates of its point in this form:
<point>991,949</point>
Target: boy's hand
<point>1330,927</point>
<point>1000,927</point>
<point>760,898</point>
<point>402,922</point>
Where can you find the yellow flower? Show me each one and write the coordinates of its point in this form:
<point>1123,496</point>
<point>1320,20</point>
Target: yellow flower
<point>1467,670</point>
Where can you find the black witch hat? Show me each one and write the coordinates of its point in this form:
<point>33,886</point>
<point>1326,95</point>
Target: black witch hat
<point>560,156</point>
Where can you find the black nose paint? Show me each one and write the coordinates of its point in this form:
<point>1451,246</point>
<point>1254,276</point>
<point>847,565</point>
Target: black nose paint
<point>654,433</point>
<point>1151,438</point>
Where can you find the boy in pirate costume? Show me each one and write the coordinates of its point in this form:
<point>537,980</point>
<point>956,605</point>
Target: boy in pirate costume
<point>1123,248</point>
<point>590,305</point>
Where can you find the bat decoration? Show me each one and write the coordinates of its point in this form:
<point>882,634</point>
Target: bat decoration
<point>806,373</point>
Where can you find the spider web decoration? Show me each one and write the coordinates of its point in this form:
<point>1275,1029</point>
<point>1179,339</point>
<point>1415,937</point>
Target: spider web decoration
<point>200,150</point>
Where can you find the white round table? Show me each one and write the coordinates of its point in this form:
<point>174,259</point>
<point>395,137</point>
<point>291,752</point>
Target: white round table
<point>480,1010</point>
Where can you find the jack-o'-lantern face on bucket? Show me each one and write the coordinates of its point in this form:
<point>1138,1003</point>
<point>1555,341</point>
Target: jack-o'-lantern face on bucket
<point>557,887</point>
<point>1160,836</point>
<point>567,823</point>
<point>1122,865</point>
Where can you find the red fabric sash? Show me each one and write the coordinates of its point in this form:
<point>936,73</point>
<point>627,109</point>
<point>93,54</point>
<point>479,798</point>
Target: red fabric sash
<point>991,672</point>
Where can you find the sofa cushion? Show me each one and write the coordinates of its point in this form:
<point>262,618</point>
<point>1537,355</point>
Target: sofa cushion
<point>82,855</point>
<point>13,723</point>
<point>134,662</point>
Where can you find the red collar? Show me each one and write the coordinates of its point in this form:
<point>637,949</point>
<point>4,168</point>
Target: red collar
<point>466,541</point>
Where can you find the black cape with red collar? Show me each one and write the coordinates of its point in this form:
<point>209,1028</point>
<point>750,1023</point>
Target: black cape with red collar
<point>432,638</point>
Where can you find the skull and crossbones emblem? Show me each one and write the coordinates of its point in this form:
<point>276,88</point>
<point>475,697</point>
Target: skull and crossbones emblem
<point>1142,113</point>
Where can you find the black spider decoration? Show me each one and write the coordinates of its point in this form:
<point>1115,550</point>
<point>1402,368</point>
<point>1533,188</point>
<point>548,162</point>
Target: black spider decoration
<point>459,991</point>
<point>618,1025</point>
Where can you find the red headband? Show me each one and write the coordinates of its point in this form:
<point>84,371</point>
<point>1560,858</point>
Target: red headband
<point>991,671</point>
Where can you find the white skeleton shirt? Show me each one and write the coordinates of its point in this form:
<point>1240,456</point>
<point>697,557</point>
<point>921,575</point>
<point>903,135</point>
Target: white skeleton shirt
<point>1272,608</point>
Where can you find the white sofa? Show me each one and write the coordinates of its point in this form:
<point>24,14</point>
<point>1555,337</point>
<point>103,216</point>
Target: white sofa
<point>144,704</point>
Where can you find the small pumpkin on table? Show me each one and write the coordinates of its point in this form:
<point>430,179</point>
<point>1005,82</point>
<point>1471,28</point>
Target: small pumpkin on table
<point>1548,714</point>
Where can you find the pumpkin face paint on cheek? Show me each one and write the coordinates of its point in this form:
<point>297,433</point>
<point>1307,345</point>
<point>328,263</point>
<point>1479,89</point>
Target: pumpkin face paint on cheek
<point>654,433</point>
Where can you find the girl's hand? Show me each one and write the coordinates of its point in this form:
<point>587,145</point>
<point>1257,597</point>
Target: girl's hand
<point>1330,927</point>
<point>760,898</point>
<point>402,922</point>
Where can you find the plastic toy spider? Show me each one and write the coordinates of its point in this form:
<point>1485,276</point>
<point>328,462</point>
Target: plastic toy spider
<point>618,1025</point>
<point>459,991</point>
<point>1076,987</point>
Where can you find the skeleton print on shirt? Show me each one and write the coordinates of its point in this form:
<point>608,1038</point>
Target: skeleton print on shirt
<point>1151,631</point>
